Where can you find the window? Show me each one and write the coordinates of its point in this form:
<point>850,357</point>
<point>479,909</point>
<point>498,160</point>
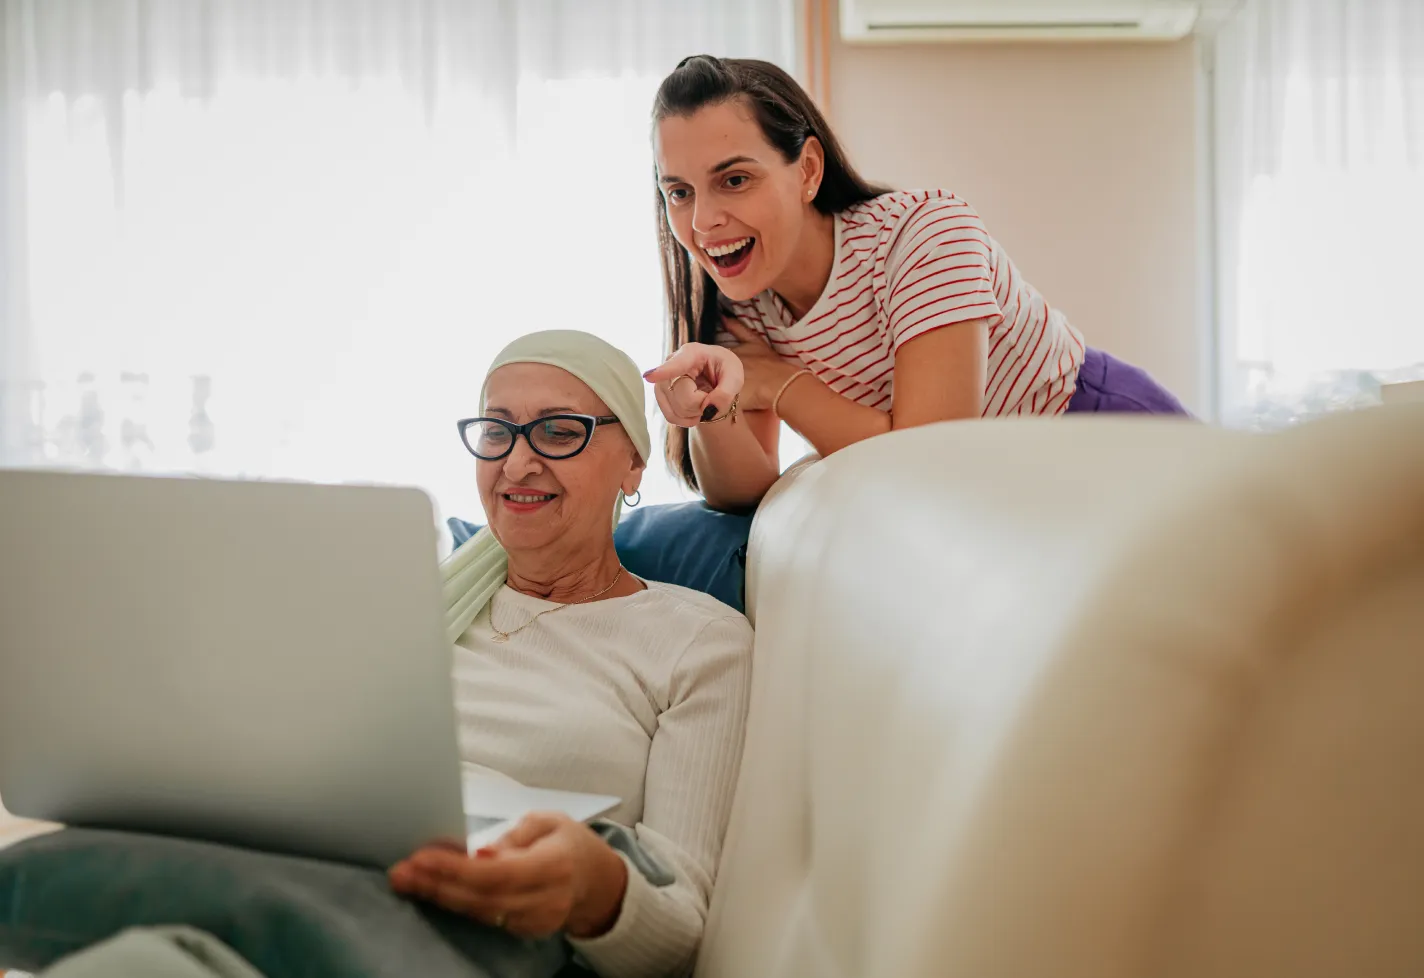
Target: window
<point>304,276</point>
<point>1320,109</point>
<point>256,286</point>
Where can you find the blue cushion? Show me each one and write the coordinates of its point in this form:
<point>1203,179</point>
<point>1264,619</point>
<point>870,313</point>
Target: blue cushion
<point>677,543</point>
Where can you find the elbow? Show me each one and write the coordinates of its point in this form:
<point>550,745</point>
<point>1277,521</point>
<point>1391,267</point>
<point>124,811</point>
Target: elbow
<point>739,492</point>
<point>740,496</point>
<point>736,503</point>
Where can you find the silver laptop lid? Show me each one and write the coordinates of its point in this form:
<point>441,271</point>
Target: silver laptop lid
<point>254,662</point>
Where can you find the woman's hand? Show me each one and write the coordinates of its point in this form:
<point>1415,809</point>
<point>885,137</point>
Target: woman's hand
<point>750,371</point>
<point>697,383</point>
<point>546,875</point>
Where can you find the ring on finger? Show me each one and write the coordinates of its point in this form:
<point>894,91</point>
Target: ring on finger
<point>673,383</point>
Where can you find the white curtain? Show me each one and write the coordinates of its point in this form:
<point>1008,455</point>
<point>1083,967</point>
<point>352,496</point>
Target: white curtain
<point>282,238</point>
<point>1319,110</point>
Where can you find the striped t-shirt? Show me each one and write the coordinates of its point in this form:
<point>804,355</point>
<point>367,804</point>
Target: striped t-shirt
<point>907,263</point>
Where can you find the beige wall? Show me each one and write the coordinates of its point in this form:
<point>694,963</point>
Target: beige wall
<point>1080,158</point>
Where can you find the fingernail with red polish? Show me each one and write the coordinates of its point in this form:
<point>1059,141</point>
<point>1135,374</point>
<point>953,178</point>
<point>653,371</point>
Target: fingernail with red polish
<point>484,852</point>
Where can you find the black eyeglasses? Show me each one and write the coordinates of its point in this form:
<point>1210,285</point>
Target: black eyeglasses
<point>555,436</point>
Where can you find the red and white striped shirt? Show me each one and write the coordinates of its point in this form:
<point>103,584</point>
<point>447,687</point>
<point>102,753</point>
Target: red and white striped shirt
<point>908,263</point>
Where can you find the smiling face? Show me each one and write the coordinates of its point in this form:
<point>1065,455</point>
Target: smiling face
<point>733,201</point>
<point>534,503</point>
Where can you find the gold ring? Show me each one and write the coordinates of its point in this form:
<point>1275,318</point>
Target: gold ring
<point>673,383</point>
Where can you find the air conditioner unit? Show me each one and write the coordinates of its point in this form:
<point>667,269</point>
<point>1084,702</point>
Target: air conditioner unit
<point>901,21</point>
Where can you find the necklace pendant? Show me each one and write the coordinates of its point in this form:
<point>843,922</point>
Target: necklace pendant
<point>501,638</point>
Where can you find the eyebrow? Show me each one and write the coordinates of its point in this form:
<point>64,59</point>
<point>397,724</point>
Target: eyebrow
<point>724,165</point>
<point>543,412</point>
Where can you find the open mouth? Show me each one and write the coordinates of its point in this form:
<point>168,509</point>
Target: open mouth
<point>731,258</point>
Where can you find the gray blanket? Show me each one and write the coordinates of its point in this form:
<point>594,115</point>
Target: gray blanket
<point>159,952</point>
<point>288,917</point>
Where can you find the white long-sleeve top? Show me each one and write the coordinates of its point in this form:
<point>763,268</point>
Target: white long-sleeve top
<point>642,697</point>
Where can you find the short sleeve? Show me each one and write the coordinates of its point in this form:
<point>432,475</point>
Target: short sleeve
<point>939,271</point>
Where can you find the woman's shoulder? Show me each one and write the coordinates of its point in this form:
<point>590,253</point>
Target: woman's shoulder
<point>691,605</point>
<point>891,211</point>
<point>693,616</point>
<point>899,226</point>
<point>714,641</point>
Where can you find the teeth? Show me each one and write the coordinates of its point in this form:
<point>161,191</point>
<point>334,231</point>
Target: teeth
<point>520,498</point>
<point>727,249</point>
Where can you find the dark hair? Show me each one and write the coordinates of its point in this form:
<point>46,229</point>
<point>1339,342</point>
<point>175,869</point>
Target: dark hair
<point>787,117</point>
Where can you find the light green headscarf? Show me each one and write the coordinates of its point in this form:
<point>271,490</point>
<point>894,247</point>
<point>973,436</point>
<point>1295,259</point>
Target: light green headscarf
<point>474,572</point>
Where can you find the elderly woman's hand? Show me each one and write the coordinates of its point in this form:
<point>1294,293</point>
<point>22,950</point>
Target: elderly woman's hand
<point>548,874</point>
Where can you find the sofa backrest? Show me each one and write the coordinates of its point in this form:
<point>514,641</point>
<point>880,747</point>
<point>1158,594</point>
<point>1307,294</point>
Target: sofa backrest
<point>1086,697</point>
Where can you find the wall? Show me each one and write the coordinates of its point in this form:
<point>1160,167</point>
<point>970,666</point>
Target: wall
<point>1081,158</point>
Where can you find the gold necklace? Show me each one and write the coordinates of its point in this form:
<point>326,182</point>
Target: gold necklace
<point>500,636</point>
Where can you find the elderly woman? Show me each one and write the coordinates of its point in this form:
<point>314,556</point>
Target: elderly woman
<point>572,673</point>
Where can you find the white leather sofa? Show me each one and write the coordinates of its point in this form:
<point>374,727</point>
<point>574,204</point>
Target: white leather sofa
<point>1086,698</point>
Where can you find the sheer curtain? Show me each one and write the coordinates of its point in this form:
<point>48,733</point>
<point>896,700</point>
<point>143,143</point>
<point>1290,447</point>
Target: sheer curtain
<point>1320,185</point>
<point>282,238</point>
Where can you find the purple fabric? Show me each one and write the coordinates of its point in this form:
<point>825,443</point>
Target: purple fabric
<point>1106,385</point>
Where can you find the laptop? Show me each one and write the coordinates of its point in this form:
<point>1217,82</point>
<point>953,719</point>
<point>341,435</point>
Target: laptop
<point>256,663</point>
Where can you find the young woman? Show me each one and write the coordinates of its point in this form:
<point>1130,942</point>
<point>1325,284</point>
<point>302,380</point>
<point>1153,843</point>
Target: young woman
<point>797,291</point>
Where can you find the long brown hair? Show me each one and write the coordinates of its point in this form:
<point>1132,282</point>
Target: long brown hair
<point>787,117</point>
